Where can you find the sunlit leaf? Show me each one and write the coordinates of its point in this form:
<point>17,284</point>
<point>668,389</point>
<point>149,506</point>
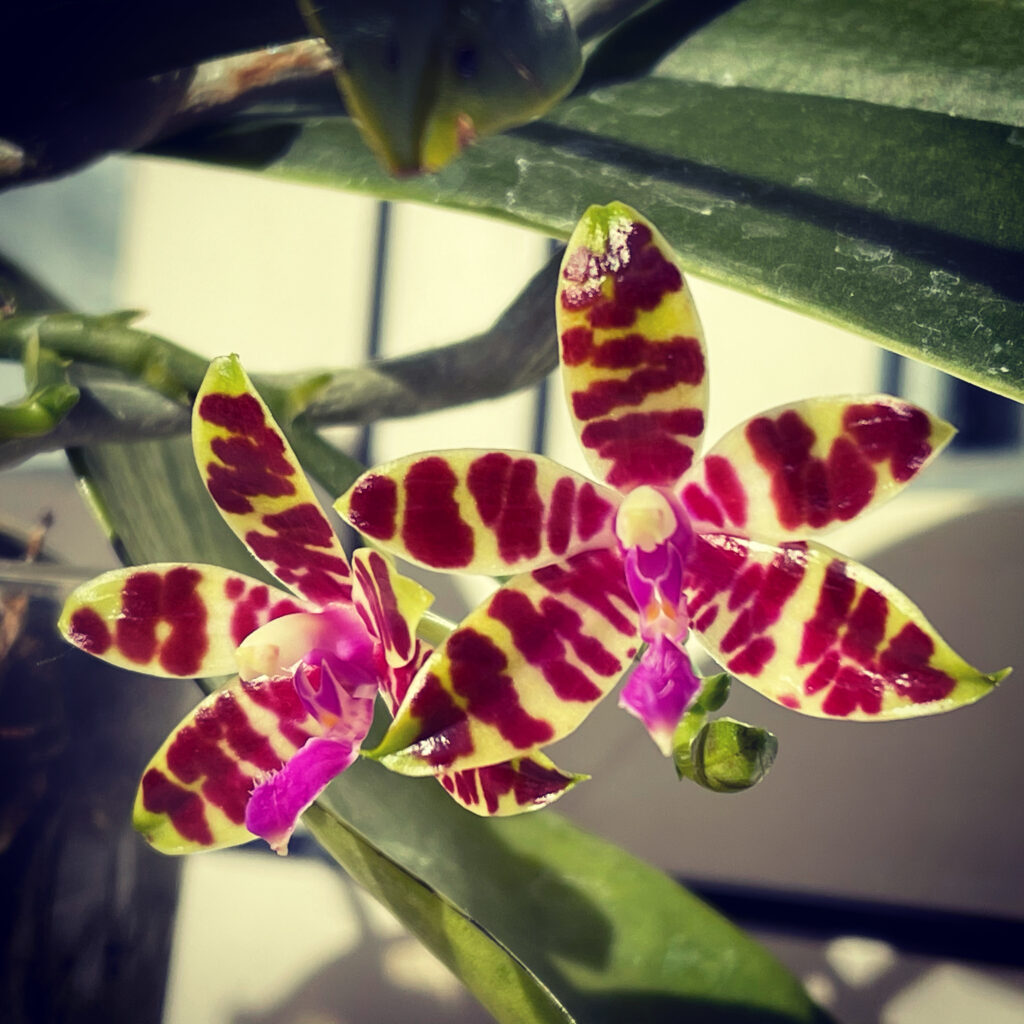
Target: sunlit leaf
<point>956,57</point>
<point>903,224</point>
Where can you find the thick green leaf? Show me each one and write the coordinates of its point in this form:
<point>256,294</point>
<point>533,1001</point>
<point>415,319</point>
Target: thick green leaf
<point>603,936</point>
<point>500,982</point>
<point>906,226</point>
<point>152,503</point>
<point>541,921</point>
<point>959,57</point>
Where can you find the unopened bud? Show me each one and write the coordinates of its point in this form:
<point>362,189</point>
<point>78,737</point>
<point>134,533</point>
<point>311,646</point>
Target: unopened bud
<point>713,693</point>
<point>729,756</point>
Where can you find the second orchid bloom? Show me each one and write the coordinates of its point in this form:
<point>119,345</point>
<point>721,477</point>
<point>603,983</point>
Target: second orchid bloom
<point>309,661</point>
<point>667,544</point>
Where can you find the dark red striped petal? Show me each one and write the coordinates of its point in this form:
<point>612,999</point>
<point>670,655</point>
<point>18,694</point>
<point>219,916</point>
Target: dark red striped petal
<point>194,793</point>
<point>260,489</point>
<point>632,350</point>
<point>512,787</point>
<point>821,634</point>
<point>479,511</point>
<point>804,468</point>
<point>522,670</point>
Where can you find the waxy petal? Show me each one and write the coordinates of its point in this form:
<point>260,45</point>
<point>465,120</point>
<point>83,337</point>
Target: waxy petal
<point>260,489</point>
<point>278,801</point>
<point>659,690</point>
<point>820,634</point>
<point>524,784</point>
<point>801,469</point>
<point>171,619</point>
<point>522,670</point>
<point>632,350</point>
<point>390,604</point>
<point>496,513</point>
<point>194,792</point>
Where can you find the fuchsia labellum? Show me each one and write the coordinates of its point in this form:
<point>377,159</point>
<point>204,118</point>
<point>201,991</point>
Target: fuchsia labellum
<point>655,540</point>
<point>720,546</point>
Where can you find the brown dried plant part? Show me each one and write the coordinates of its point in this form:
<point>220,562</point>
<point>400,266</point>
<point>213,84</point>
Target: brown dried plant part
<point>14,607</point>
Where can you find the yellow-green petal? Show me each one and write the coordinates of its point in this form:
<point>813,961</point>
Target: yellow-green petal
<point>821,634</point>
<point>512,787</point>
<point>632,350</point>
<point>171,619</point>
<point>804,468</point>
<point>491,512</point>
<point>391,603</point>
<point>258,486</point>
<point>194,792</point>
<point>522,670</point>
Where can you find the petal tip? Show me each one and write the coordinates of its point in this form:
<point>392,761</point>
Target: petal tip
<point>224,374</point>
<point>595,226</point>
<point>402,761</point>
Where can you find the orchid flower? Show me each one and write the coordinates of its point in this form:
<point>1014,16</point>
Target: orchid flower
<point>666,545</point>
<point>253,755</point>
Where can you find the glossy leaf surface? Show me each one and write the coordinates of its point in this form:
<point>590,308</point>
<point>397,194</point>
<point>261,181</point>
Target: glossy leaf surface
<point>903,224</point>
<point>959,58</point>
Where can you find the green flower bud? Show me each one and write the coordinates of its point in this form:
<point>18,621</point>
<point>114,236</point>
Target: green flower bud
<point>729,756</point>
<point>713,693</point>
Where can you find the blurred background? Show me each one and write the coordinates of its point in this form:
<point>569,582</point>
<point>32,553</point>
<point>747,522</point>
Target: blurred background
<point>881,863</point>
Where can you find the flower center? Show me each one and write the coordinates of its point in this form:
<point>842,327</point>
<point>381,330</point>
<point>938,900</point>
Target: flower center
<point>338,694</point>
<point>656,538</point>
<point>332,659</point>
<point>645,519</point>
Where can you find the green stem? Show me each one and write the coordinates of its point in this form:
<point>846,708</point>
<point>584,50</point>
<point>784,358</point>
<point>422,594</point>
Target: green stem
<point>332,468</point>
<point>38,413</point>
<point>108,341</point>
<point>434,629</point>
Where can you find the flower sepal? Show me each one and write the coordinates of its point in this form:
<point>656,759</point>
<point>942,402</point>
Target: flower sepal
<point>304,667</point>
<point>511,787</point>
